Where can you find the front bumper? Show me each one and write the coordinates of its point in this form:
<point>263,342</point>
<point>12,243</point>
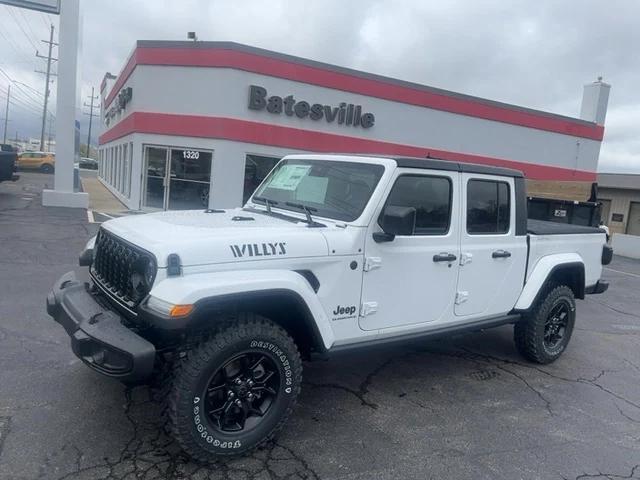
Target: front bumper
<point>98,337</point>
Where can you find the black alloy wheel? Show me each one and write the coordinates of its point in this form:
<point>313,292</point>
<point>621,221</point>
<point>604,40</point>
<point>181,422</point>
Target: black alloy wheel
<point>242,392</point>
<point>556,325</point>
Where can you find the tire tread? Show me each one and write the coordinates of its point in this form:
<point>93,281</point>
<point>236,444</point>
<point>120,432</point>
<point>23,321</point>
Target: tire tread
<point>525,332</point>
<point>186,370</point>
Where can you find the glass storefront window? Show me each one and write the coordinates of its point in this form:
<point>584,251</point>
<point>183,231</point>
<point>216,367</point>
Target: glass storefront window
<point>156,170</point>
<point>125,170</point>
<point>256,169</point>
<point>130,169</point>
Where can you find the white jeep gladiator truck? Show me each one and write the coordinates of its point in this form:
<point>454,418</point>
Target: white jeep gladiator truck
<point>330,253</point>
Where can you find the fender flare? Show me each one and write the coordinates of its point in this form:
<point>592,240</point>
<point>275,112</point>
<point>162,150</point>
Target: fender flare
<point>542,273</point>
<point>211,289</point>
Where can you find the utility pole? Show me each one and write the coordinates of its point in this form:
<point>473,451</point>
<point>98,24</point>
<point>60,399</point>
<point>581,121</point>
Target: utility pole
<point>91,114</point>
<point>6,114</point>
<point>49,135</point>
<point>46,85</point>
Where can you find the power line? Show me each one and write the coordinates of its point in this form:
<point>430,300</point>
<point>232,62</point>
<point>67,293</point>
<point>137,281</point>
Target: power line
<point>26,99</point>
<point>19,86</point>
<point>33,35</point>
<point>15,19</point>
<point>44,19</point>
<point>13,45</point>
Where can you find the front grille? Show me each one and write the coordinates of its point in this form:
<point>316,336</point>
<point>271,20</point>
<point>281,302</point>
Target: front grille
<point>114,262</point>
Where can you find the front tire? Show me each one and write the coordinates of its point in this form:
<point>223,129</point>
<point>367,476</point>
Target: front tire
<point>46,168</point>
<point>235,391</point>
<point>543,334</point>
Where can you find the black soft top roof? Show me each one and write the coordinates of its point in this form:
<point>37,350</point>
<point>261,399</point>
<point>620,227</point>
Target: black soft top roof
<point>436,164</point>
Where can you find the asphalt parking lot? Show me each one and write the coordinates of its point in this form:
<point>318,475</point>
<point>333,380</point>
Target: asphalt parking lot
<point>465,408</point>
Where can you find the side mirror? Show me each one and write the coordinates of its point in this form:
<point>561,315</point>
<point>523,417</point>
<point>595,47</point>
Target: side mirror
<point>396,221</point>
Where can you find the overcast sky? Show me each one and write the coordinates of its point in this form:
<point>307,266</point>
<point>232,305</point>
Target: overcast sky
<point>536,54</point>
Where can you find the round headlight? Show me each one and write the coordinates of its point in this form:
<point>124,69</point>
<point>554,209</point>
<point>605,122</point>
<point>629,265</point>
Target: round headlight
<point>142,276</point>
<point>149,272</point>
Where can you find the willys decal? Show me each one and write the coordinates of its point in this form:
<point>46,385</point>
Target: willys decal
<point>259,249</point>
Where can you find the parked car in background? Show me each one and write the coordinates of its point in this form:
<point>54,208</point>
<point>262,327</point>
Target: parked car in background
<point>8,158</point>
<point>88,163</point>
<point>43,161</point>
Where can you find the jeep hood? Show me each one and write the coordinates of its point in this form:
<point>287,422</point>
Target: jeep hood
<point>201,238</point>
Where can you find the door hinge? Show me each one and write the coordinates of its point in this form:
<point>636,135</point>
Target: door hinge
<point>368,308</point>
<point>461,297</point>
<point>371,263</point>
<point>466,258</point>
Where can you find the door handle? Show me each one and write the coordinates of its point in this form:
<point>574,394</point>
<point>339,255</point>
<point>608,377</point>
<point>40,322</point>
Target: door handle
<point>444,257</point>
<point>501,254</point>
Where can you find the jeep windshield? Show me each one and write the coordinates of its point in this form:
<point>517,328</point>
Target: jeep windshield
<point>330,189</point>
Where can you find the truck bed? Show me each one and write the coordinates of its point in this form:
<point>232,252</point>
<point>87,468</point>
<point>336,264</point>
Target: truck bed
<point>543,227</point>
<point>558,239</point>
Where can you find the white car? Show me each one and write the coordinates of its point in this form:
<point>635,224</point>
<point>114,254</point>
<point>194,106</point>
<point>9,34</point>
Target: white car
<point>330,253</point>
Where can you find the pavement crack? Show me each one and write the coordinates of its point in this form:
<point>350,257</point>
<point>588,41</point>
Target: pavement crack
<point>609,475</point>
<point>356,393</point>
<point>363,388</point>
<point>628,417</point>
<point>5,429</point>
<point>586,381</point>
<point>611,307</point>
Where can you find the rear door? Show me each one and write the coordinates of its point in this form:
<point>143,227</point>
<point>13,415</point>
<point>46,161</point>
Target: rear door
<point>492,257</point>
<point>412,279</point>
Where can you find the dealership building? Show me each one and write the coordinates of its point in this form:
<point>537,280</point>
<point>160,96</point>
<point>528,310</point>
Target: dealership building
<point>194,124</point>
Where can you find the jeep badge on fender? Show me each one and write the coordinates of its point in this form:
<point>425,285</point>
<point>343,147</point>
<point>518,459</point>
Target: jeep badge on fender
<point>230,314</point>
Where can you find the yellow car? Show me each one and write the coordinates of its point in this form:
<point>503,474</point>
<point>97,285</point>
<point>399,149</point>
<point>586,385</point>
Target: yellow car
<point>43,161</point>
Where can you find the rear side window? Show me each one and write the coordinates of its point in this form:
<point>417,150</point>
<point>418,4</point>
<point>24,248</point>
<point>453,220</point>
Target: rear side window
<point>430,196</point>
<point>488,207</point>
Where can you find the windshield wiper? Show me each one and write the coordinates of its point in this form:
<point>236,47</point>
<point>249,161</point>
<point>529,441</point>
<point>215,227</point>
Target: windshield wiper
<point>307,210</point>
<point>268,203</point>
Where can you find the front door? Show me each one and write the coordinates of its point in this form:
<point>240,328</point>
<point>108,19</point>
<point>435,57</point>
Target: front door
<point>176,178</point>
<point>411,280</point>
<point>492,257</point>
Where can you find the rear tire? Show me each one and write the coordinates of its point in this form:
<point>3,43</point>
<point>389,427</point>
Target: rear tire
<point>544,333</point>
<point>46,168</point>
<point>234,392</point>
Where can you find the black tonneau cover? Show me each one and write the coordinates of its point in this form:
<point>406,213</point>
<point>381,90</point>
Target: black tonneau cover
<point>542,227</point>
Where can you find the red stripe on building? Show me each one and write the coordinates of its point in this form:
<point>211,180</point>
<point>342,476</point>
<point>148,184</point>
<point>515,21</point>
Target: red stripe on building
<point>287,137</point>
<point>299,72</point>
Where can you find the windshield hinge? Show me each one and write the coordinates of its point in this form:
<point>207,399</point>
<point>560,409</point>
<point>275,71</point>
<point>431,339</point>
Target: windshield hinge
<point>371,263</point>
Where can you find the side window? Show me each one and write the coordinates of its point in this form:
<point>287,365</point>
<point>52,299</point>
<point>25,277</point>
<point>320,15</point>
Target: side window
<point>488,207</point>
<point>430,196</point>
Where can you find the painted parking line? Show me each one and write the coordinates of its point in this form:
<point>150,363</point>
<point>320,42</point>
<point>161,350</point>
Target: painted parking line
<point>620,271</point>
<point>90,218</point>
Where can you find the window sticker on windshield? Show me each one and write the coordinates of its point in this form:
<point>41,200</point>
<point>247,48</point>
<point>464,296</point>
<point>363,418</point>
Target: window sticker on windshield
<point>289,176</point>
<point>312,189</point>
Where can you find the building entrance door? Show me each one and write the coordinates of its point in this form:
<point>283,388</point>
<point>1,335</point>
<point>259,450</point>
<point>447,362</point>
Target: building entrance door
<point>633,222</point>
<point>176,178</point>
